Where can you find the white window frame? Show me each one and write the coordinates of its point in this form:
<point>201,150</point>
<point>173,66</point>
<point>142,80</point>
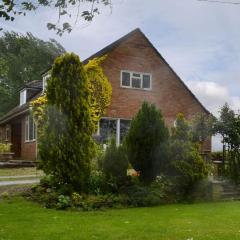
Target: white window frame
<point>27,129</point>
<point>23,97</point>
<point>141,79</point>
<point>117,127</point>
<point>7,133</point>
<point>45,78</point>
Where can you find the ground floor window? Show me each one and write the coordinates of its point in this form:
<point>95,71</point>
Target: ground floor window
<point>7,133</point>
<point>30,129</point>
<point>113,127</point>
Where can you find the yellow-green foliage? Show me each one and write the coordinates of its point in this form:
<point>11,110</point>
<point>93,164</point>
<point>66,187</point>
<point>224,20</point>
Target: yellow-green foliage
<point>66,146</point>
<point>5,147</point>
<point>101,92</point>
<point>37,106</point>
<point>100,87</point>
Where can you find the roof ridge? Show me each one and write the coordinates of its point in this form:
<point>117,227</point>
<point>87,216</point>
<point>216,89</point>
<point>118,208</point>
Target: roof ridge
<point>112,45</point>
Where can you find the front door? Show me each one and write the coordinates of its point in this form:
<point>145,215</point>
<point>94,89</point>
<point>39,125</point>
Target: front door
<point>16,130</point>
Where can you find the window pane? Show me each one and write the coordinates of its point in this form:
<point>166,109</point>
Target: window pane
<point>124,126</point>
<point>31,129</point>
<point>26,129</point>
<point>146,81</point>
<point>126,79</point>
<point>136,82</point>
<point>136,75</point>
<point>107,129</point>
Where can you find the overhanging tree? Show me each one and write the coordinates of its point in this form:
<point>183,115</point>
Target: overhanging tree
<point>66,146</point>
<point>67,9</point>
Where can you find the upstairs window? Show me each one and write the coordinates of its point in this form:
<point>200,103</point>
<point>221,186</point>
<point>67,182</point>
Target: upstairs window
<point>23,97</point>
<point>136,80</point>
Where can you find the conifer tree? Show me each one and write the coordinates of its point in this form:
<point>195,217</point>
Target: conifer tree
<point>144,140</point>
<point>66,146</point>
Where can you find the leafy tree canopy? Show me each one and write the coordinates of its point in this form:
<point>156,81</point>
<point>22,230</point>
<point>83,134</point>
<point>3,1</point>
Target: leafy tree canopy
<point>228,126</point>
<point>67,9</point>
<point>22,59</point>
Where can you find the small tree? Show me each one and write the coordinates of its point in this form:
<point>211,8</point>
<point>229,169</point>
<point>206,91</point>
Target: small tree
<point>66,146</point>
<point>228,126</point>
<point>146,134</point>
<point>186,164</point>
<point>202,127</point>
<point>115,162</point>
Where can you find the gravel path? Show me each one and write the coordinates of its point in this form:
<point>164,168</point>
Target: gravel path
<point>21,176</point>
<point>19,182</point>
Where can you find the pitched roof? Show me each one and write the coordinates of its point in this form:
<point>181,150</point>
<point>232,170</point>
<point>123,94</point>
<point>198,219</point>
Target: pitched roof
<point>18,110</point>
<point>36,85</point>
<point>113,45</point>
<point>105,50</point>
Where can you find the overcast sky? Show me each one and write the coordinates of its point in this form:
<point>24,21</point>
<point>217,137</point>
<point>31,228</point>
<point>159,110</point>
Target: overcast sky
<point>200,40</point>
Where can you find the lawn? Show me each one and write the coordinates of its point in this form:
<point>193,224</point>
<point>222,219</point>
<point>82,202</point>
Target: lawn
<point>20,219</point>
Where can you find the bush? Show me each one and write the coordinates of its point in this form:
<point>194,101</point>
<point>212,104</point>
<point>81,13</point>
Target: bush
<point>5,147</point>
<point>77,199</point>
<point>5,195</point>
<point>102,202</point>
<point>97,182</point>
<point>115,163</point>
<point>145,136</point>
<point>187,167</point>
<point>63,202</point>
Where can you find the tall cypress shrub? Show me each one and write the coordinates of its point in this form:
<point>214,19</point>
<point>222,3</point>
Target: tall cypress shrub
<point>145,141</point>
<point>66,146</point>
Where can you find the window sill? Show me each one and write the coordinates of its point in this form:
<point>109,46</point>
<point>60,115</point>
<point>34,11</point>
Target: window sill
<point>30,141</point>
<point>138,89</point>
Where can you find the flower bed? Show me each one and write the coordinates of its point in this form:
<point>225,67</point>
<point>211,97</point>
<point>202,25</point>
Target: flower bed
<point>5,152</point>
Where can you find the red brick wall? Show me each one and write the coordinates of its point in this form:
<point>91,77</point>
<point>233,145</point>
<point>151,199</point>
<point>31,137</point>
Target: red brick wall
<point>168,93</point>
<point>28,149</point>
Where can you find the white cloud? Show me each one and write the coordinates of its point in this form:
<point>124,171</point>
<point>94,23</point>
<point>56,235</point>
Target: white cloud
<point>214,95</point>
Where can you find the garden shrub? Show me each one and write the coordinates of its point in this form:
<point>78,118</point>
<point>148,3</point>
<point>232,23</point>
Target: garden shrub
<point>63,202</point>
<point>115,163</point>
<point>5,195</point>
<point>144,139</point>
<point>187,167</point>
<point>97,182</point>
<point>77,199</point>
<point>5,147</point>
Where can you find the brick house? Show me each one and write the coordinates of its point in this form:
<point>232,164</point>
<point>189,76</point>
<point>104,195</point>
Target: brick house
<point>136,71</point>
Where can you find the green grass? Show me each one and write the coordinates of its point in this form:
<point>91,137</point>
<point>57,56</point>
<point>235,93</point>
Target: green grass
<point>20,219</point>
<point>19,171</point>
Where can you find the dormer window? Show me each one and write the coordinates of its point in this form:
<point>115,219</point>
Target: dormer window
<point>23,97</point>
<point>45,78</point>
<point>136,80</point>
